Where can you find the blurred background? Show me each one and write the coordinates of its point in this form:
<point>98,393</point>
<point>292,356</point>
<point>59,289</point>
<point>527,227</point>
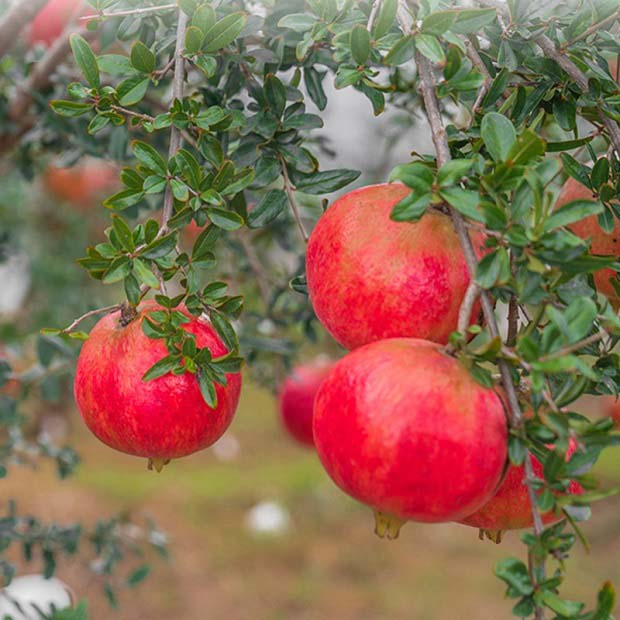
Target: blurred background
<point>254,527</point>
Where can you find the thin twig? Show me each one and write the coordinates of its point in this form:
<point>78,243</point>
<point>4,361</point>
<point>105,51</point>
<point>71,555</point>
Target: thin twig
<point>592,29</point>
<point>77,321</point>
<point>574,347</point>
<point>177,94</point>
<point>474,56</point>
<point>549,49</point>
<point>290,192</point>
<point>513,320</point>
<point>467,305</point>
<point>148,9</point>
<point>14,20</point>
<point>373,13</point>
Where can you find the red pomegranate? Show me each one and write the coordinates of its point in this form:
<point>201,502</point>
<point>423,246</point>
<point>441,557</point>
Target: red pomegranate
<point>612,408</point>
<point>52,19</point>
<point>296,398</point>
<point>161,419</point>
<point>371,278</point>
<point>83,184</point>
<point>603,243</point>
<point>509,508</point>
<point>403,427</point>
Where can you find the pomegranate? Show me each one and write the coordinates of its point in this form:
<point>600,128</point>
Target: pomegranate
<point>161,419</point>
<point>83,184</point>
<point>403,427</point>
<point>509,508</point>
<point>603,243</point>
<point>371,278</point>
<point>296,398</point>
<point>50,22</point>
<point>612,409</point>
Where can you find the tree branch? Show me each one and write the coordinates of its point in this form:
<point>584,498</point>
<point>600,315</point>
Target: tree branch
<point>373,13</point>
<point>592,29</point>
<point>549,50</point>
<point>148,9</point>
<point>87,315</point>
<point>467,305</point>
<point>289,189</point>
<point>177,94</point>
<point>14,21</point>
<point>474,56</point>
<point>574,347</point>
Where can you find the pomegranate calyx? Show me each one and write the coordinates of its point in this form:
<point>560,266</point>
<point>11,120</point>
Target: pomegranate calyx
<point>387,526</point>
<point>128,314</point>
<point>494,535</point>
<point>157,464</point>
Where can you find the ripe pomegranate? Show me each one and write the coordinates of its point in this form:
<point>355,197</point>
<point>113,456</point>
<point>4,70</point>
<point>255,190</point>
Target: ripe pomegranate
<point>296,398</point>
<point>403,427</point>
<point>371,278</point>
<point>83,184</point>
<point>161,419</point>
<point>509,508</point>
<point>603,243</point>
<point>612,409</point>
<point>52,19</point>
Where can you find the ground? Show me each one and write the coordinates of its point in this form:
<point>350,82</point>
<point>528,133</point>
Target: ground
<point>328,565</point>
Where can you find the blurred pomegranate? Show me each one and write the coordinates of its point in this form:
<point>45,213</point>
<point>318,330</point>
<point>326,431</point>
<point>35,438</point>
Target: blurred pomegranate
<point>53,18</point>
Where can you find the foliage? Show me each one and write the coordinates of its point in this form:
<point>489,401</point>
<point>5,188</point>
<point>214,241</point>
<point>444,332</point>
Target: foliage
<point>245,112</point>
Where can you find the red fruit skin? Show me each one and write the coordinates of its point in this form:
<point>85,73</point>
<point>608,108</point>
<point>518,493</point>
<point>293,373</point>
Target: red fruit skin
<point>51,21</point>
<point>160,419</point>
<point>370,278</point>
<point>83,184</point>
<point>296,399</point>
<point>401,426</point>
<point>612,409</point>
<point>604,244</point>
<point>509,508</point>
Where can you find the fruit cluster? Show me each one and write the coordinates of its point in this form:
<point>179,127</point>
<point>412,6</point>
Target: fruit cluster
<point>398,423</point>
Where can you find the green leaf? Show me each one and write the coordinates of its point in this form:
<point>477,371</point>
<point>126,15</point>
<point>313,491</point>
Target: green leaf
<point>70,108</point>
<point>267,209</point>
<point>498,134</point>
<point>97,124</point>
<point>429,46</point>
<point>325,182</point>
<point>204,17</point>
<point>154,184</point>
<point>605,602</point>
<point>160,247</point>
<point>411,208</point>
<point>453,171</point>
<point>149,156</point>
<point>123,232</point>
<point>224,32</point>
<point>118,270</point>
<point>300,22</point>
<point>438,23</point>
<point>473,20</point>
<point>222,218</point>
<point>194,38</point>
<point>207,389</point>
<point>207,64</point>
<point>417,176</point>
<point>115,64</point>
<point>572,212</point>
<point>144,274</point>
<point>493,269</point>
<point>527,147</point>
<point>385,19</point>
<point>142,58</point>
<point>162,367</point>
<point>402,51</point>
<point>275,93</point>
<point>465,201</point>
<point>86,59</point>
<point>313,81</point>
<point>360,44</point>
<point>132,90</point>
<point>560,606</point>
<point>224,329</point>
<point>600,172</point>
<point>138,575</point>
<point>515,574</point>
